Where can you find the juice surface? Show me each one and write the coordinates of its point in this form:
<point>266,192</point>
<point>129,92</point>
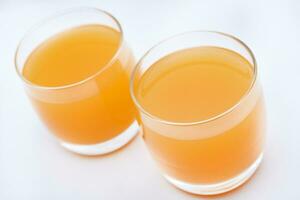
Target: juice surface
<point>92,111</point>
<point>72,55</point>
<point>193,85</point>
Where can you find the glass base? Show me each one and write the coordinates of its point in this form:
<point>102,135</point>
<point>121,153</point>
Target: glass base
<point>218,188</point>
<point>104,147</point>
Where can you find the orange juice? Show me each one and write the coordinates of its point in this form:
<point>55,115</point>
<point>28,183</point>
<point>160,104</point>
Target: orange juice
<point>88,70</point>
<point>194,85</point>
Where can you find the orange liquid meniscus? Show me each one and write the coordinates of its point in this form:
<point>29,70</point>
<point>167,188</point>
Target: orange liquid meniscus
<point>193,85</point>
<point>89,111</point>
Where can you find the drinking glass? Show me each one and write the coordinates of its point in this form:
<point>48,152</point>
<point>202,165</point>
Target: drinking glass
<point>212,155</point>
<point>94,115</point>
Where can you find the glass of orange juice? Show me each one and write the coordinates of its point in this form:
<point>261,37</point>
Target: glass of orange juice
<point>201,110</point>
<point>75,67</point>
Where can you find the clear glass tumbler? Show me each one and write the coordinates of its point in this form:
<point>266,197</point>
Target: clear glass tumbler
<point>94,114</point>
<point>200,152</point>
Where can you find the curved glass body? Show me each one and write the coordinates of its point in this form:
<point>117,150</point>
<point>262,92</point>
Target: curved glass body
<point>201,110</point>
<point>75,67</point>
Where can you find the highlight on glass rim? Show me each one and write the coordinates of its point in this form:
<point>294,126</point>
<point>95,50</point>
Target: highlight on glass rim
<point>149,100</point>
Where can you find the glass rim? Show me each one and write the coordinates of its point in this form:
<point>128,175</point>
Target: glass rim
<point>57,15</point>
<point>198,122</point>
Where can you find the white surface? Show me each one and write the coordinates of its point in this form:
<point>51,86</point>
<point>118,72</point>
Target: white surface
<point>33,166</point>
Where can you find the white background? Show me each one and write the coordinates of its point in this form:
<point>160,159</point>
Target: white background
<point>34,167</point>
